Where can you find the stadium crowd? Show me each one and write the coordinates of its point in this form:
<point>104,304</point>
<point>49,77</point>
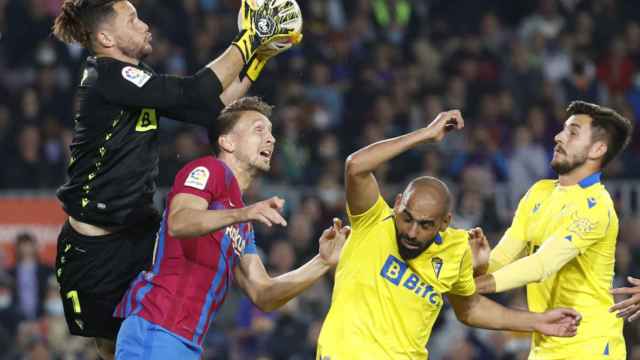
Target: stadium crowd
<point>366,70</point>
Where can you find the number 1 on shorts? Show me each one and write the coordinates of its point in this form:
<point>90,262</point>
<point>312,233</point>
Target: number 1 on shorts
<point>73,295</point>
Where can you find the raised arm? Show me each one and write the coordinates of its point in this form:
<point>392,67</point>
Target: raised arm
<point>361,186</point>
<point>199,98</point>
<point>479,311</point>
<point>189,216</point>
<point>269,293</point>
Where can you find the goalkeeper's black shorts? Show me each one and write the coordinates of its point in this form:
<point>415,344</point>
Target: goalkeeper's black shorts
<point>94,272</point>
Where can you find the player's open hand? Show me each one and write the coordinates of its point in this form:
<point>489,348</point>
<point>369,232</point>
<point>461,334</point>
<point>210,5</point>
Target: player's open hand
<point>445,121</point>
<point>331,242</point>
<point>630,308</point>
<point>267,212</point>
<point>561,322</point>
<point>480,249</point>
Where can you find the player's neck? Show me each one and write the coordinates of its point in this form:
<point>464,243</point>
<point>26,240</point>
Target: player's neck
<point>118,55</point>
<point>243,173</point>
<point>576,175</point>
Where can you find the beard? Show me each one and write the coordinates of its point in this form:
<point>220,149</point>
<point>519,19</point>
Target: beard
<point>566,166</point>
<point>406,253</point>
<point>137,52</point>
<point>260,165</point>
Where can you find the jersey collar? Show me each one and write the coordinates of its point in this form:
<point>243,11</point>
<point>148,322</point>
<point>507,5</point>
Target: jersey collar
<point>590,180</point>
<point>438,239</point>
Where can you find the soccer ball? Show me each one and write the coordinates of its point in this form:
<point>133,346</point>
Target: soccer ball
<point>290,18</point>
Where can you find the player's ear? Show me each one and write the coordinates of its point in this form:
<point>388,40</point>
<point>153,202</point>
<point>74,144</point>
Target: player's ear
<point>598,150</point>
<point>104,39</point>
<point>226,144</point>
<point>397,203</point>
<point>445,223</point>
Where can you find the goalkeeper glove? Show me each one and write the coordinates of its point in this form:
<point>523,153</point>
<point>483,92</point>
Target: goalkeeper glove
<point>253,69</point>
<point>264,26</point>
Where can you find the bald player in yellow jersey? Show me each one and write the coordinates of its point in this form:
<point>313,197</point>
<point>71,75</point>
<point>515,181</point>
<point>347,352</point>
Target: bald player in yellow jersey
<point>567,230</point>
<point>399,264</point>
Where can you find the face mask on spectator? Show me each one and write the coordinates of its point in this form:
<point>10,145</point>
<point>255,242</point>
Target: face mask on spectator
<point>5,301</point>
<point>54,307</point>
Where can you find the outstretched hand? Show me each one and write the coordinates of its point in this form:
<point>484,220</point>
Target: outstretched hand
<point>267,212</point>
<point>562,322</point>
<point>331,242</point>
<point>630,308</point>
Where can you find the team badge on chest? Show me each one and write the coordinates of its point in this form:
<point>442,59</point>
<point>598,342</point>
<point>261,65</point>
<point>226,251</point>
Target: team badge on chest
<point>436,262</point>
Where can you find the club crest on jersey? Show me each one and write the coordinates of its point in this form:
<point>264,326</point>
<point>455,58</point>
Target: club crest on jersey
<point>136,76</point>
<point>198,178</point>
<point>591,202</point>
<point>436,262</point>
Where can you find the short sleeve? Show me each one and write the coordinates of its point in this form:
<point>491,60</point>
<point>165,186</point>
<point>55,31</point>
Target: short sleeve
<point>200,179</point>
<point>465,285</point>
<point>250,248</point>
<point>373,215</point>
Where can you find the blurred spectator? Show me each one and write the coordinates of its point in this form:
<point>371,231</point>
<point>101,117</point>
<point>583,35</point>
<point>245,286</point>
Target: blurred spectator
<point>28,170</point>
<point>482,151</point>
<point>9,313</point>
<point>528,163</point>
<point>367,69</point>
<point>300,234</point>
<point>252,331</point>
<point>616,70</point>
<point>581,84</point>
<point>186,148</point>
<point>546,20</point>
<point>30,277</point>
<point>322,92</point>
<point>392,17</point>
<point>520,78</point>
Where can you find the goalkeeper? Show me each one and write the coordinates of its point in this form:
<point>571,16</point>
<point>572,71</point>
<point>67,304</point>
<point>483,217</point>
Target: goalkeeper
<point>110,233</point>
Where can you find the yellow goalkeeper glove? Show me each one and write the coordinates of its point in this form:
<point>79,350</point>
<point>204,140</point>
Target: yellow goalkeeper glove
<point>265,28</point>
<point>253,69</point>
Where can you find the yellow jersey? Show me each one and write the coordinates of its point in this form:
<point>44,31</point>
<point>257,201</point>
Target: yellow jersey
<point>584,215</point>
<point>384,307</point>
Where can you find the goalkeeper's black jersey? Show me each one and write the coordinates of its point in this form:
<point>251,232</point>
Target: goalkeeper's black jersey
<point>114,153</point>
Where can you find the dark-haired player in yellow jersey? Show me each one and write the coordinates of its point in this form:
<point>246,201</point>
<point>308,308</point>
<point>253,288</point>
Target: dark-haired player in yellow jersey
<point>567,228</point>
<point>398,264</point>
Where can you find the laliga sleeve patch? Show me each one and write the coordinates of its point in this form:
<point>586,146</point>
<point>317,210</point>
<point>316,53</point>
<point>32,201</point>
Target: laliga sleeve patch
<point>137,76</point>
<point>198,178</point>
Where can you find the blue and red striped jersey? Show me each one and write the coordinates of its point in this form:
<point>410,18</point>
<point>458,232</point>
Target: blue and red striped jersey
<point>189,278</point>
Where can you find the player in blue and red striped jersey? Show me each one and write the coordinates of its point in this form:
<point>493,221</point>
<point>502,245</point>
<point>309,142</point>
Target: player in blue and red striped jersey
<point>206,240</point>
